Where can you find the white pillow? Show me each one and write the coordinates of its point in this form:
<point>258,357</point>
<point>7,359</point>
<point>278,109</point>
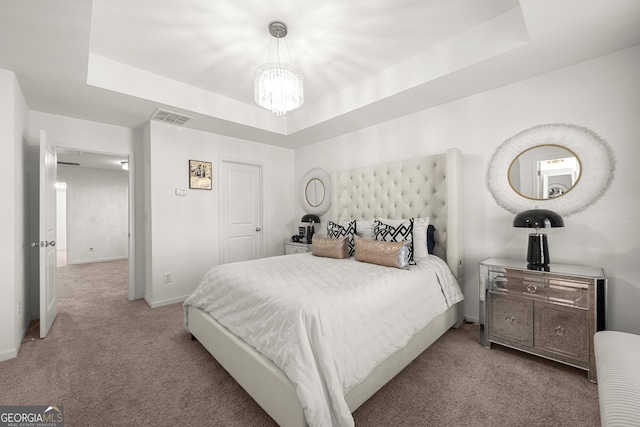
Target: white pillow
<point>365,229</point>
<point>420,249</point>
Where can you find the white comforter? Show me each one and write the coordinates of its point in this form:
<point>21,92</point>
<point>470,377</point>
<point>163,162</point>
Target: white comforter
<point>326,323</point>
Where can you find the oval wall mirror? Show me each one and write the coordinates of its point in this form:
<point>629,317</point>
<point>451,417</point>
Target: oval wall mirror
<point>578,168</point>
<point>544,172</point>
<point>316,191</point>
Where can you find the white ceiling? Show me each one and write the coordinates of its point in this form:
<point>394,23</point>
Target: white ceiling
<point>117,61</point>
<point>217,45</point>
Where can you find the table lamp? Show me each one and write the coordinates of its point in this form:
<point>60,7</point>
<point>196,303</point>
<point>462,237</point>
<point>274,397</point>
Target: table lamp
<point>313,219</point>
<point>538,251</point>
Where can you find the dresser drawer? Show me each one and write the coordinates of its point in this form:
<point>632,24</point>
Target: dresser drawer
<point>564,290</point>
<point>561,330</point>
<point>511,319</point>
<point>296,248</point>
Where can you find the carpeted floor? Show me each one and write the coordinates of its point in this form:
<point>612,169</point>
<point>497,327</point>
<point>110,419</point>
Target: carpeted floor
<point>112,362</point>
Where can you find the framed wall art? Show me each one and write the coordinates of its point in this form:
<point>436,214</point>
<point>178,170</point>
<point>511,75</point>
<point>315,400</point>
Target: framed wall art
<point>200,175</point>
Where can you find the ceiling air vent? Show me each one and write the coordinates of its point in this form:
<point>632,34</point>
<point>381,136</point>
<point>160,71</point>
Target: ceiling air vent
<point>170,117</point>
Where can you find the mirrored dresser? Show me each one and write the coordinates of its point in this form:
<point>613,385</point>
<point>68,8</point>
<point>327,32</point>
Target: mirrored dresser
<point>553,314</point>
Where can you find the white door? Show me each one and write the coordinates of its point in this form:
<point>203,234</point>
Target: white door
<point>48,169</point>
<point>240,212</point>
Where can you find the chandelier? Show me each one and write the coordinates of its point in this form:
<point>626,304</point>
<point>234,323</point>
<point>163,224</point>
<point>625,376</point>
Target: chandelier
<point>278,85</point>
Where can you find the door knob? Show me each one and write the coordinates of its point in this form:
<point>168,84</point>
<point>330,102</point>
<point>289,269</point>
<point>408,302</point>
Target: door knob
<point>258,229</point>
<point>43,244</point>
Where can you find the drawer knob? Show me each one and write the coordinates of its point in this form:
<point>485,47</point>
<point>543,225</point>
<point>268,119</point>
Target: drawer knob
<point>559,331</point>
<point>509,319</point>
<point>531,288</point>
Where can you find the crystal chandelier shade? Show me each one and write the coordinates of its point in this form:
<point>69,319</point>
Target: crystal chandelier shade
<point>278,86</point>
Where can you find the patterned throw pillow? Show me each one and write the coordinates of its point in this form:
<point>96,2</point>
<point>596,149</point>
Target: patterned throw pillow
<point>398,233</point>
<point>348,230</point>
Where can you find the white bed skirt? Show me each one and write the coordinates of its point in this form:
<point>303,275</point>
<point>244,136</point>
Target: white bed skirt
<point>271,388</point>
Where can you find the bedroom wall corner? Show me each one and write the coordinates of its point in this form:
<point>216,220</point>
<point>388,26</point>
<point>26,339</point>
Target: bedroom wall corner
<point>142,206</point>
<point>183,230</point>
<point>14,227</point>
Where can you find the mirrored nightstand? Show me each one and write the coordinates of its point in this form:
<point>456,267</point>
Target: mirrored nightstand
<point>553,314</point>
<point>296,248</point>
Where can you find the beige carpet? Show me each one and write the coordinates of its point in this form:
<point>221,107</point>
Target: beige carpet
<point>111,362</point>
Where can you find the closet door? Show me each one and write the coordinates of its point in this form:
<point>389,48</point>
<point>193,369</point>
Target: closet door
<point>240,211</point>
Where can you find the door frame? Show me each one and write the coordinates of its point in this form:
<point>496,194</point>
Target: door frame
<point>131,294</point>
<point>260,167</point>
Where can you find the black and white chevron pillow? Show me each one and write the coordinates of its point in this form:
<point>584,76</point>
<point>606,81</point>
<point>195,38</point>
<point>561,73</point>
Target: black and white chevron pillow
<point>348,230</point>
<point>398,233</point>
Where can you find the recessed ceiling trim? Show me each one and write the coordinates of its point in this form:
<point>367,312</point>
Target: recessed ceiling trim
<point>111,75</point>
<point>487,41</point>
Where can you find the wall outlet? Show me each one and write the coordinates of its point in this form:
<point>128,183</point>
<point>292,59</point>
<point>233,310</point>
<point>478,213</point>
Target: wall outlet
<point>181,192</point>
<point>167,277</point>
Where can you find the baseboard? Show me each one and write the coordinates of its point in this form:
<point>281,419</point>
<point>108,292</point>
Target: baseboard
<point>27,328</point>
<point>9,354</point>
<point>471,319</point>
<point>13,353</point>
<point>156,304</point>
<point>138,296</point>
<point>90,261</point>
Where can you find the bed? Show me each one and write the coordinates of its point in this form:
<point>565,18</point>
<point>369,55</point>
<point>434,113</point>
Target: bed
<point>315,373</point>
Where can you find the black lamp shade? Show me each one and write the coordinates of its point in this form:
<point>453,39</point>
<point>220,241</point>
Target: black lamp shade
<point>538,218</point>
<point>311,218</point>
<point>538,249</point>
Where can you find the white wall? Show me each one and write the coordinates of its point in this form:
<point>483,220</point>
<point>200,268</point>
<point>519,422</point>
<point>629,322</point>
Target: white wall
<point>14,315</point>
<point>61,218</point>
<point>183,230</point>
<point>68,132</point>
<point>602,94</point>
<point>97,214</point>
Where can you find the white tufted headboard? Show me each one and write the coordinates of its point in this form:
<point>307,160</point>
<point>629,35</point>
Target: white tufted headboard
<point>429,186</point>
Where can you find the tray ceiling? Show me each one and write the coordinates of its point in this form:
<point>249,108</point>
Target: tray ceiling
<point>117,61</point>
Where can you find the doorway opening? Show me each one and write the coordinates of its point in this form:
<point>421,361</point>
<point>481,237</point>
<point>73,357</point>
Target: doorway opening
<point>93,210</point>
